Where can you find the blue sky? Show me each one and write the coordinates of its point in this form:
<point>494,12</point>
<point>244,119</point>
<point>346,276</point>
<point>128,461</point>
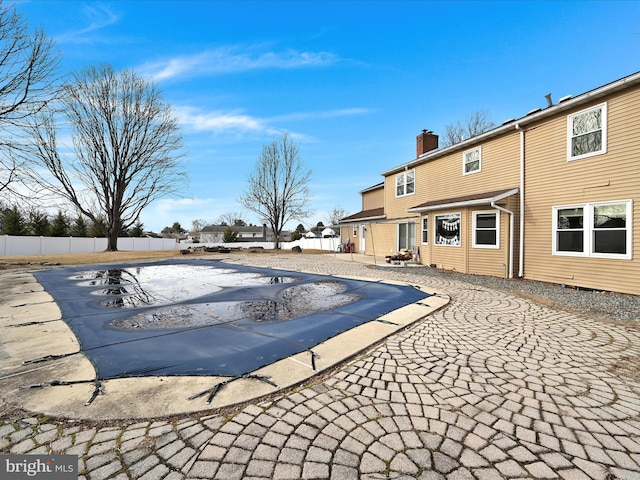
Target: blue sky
<point>353,81</point>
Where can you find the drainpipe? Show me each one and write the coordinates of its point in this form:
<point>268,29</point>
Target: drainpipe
<point>521,249</point>
<point>497,207</point>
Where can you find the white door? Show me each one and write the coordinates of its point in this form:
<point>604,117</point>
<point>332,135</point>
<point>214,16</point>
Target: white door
<point>363,235</point>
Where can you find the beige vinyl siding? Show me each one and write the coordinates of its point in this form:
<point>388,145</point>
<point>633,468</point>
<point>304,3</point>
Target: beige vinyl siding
<point>384,241</point>
<point>443,178</point>
<point>373,199</point>
<point>490,261</point>
<point>551,180</point>
<point>450,257</point>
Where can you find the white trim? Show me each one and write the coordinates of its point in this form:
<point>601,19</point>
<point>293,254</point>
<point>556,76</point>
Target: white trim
<point>497,229</point>
<point>435,229</point>
<point>603,129</point>
<point>408,236</point>
<point>588,231</point>
<point>464,160</point>
<point>422,219</point>
<point>468,203</point>
<point>404,184</point>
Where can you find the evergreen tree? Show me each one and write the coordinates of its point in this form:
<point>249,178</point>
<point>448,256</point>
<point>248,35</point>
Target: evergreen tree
<point>137,230</point>
<point>79,227</point>
<point>38,223</point>
<point>59,225</point>
<point>230,235</point>
<point>14,222</point>
<point>98,228</point>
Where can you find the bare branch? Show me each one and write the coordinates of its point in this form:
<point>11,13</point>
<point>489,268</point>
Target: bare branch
<point>125,140</point>
<point>476,123</point>
<point>278,190</point>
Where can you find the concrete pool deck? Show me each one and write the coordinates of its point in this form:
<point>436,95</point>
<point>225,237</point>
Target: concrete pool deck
<point>493,386</point>
<point>32,328</point>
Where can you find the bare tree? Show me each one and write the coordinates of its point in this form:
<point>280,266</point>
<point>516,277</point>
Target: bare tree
<point>125,153</point>
<point>335,215</point>
<point>198,224</point>
<point>278,187</point>
<point>475,124</point>
<point>28,66</point>
<point>233,219</point>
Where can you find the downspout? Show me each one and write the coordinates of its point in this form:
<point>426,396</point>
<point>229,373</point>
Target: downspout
<point>521,246</point>
<point>502,209</point>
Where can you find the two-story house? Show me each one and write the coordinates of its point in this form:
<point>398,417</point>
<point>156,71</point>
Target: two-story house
<point>549,196</point>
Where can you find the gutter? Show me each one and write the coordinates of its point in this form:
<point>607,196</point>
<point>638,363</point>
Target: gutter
<point>591,95</point>
<point>521,240</point>
<point>502,209</point>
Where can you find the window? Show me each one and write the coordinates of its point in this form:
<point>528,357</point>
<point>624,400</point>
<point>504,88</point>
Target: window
<point>587,132</point>
<point>406,235</point>
<point>447,229</point>
<point>471,161</point>
<point>425,230</point>
<point>593,230</point>
<point>570,230</point>
<point>406,183</point>
<point>486,230</point>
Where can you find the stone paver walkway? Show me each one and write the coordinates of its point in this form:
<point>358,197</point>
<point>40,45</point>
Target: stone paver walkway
<point>491,387</point>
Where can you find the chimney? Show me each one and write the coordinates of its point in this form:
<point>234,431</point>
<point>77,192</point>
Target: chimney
<point>425,142</point>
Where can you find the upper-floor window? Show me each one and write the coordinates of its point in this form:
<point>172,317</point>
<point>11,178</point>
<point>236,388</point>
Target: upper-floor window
<point>472,161</point>
<point>406,183</point>
<point>587,132</point>
<point>593,230</point>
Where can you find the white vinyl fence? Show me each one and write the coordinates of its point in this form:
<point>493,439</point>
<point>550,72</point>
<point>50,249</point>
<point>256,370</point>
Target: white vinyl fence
<point>13,245</point>
<point>328,244</point>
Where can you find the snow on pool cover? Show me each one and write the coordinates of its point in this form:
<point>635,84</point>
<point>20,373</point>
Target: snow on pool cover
<point>203,317</point>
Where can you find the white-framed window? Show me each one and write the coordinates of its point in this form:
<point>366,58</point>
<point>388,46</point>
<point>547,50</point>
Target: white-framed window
<point>587,132</point>
<point>601,230</point>
<point>447,229</point>
<point>406,183</point>
<point>406,235</point>
<point>486,229</point>
<point>472,161</point>
<point>425,230</point>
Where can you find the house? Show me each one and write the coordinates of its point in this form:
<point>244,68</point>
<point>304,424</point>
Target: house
<point>549,196</point>
<point>251,233</point>
<point>356,228</point>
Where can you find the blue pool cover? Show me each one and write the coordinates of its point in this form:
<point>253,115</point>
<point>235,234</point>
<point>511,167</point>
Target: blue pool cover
<point>205,317</point>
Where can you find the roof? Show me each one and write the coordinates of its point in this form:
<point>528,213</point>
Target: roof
<point>464,200</point>
<point>239,229</point>
<point>373,214</point>
<point>532,117</point>
<point>374,187</point>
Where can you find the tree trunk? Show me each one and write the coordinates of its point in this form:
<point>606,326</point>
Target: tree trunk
<point>112,242</point>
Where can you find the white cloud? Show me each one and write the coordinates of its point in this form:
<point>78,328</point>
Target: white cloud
<point>239,122</point>
<point>232,59</point>
<point>99,17</point>
<point>322,114</point>
<point>222,122</point>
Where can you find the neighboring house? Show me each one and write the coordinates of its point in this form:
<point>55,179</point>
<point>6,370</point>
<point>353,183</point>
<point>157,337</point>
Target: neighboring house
<point>552,196</point>
<point>252,233</point>
<point>357,228</point>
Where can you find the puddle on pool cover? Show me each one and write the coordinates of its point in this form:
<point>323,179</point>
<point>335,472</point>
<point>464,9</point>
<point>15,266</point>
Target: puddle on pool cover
<point>295,301</point>
<point>160,285</point>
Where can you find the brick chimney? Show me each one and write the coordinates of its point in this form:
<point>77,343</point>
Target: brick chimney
<point>425,142</point>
